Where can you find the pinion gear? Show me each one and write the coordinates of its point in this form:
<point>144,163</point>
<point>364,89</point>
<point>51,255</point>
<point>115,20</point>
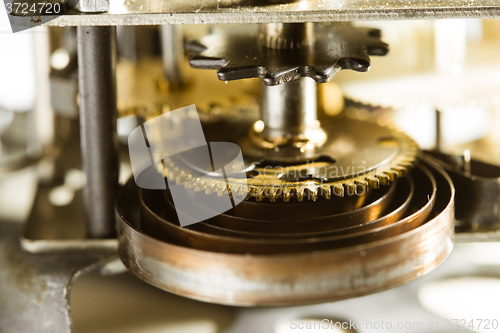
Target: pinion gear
<point>236,54</point>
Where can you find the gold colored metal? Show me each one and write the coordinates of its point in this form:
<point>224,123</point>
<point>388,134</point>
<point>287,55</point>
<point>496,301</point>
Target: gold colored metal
<point>143,90</point>
<point>358,156</point>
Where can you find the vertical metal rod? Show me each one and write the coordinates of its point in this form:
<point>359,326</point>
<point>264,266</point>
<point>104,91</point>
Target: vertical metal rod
<point>97,87</point>
<point>438,146</point>
<point>289,108</point>
<point>286,35</point>
<point>173,53</point>
<point>467,162</point>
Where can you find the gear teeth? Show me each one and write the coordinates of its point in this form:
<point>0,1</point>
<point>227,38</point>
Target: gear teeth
<point>300,194</point>
<point>240,192</point>
<point>393,175</point>
<point>259,194</point>
<point>273,194</point>
<point>361,187</point>
<point>198,187</point>
<point>408,164</point>
<point>326,191</point>
<point>268,186</point>
<point>179,178</point>
<point>210,189</point>
<point>221,189</point>
<point>350,189</point>
<point>287,194</point>
<point>190,184</point>
<point>384,179</point>
<point>338,190</point>
<point>373,182</point>
<point>402,171</point>
<point>312,194</point>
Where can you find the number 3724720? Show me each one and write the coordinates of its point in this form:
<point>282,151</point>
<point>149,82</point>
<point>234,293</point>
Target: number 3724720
<point>29,8</point>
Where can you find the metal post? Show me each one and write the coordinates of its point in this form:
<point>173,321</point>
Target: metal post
<point>289,109</point>
<point>438,146</point>
<point>289,130</point>
<point>173,53</point>
<point>97,87</point>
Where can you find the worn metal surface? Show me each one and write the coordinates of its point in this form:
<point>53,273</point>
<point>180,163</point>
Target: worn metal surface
<point>97,87</point>
<point>56,222</point>
<point>142,12</point>
<point>235,53</point>
<point>35,288</point>
<point>384,258</point>
<point>58,229</point>
<point>366,312</point>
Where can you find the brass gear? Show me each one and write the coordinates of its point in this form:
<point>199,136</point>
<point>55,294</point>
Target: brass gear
<point>359,156</point>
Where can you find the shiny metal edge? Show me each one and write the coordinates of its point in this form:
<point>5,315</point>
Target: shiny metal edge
<point>143,12</point>
<point>67,245</point>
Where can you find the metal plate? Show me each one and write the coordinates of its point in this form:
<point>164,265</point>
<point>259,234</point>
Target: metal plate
<point>35,288</point>
<point>142,12</point>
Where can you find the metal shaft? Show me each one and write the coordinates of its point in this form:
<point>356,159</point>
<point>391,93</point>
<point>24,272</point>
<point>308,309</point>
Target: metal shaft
<point>173,53</point>
<point>286,35</point>
<point>97,87</point>
<point>438,146</point>
<point>289,108</point>
<point>289,130</point>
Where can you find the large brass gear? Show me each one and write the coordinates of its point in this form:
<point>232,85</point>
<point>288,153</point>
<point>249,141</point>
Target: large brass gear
<point>359,156</point>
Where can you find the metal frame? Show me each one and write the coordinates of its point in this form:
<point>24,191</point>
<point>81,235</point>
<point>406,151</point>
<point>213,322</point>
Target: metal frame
<point>143,12</point>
